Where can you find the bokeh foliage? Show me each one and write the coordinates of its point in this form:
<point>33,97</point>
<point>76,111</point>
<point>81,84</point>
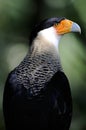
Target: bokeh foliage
<point>17,18</point>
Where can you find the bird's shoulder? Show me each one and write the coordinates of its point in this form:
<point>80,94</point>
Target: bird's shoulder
<point>59,79</point>
<point>59,83</point>
<point>11,84</point>
<point>11,78</point>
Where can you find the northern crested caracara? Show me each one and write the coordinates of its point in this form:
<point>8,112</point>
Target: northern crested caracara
<point>37,93</point>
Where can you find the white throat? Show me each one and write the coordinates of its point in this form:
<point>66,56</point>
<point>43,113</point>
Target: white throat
<point>51,36</point>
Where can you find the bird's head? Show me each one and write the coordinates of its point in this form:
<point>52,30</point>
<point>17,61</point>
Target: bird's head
<point>66,26</point>
<point>52,29</point>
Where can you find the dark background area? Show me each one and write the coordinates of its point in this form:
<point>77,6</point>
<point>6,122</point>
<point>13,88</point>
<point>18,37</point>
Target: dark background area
<point>17,18</point>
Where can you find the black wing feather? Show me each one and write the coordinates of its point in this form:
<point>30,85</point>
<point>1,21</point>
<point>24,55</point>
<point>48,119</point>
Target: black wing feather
<point>51,109</point>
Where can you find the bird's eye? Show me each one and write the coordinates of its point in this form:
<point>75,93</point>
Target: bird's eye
<point>56,24</point>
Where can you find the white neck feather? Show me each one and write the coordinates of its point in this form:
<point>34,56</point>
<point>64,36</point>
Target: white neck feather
<point>47,41</point>
<point>51,36</point>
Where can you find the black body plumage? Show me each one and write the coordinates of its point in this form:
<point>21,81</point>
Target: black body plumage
<point>37,95</point>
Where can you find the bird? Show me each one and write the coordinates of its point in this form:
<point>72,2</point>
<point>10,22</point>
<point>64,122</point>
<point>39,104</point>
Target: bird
<point>37,93</point>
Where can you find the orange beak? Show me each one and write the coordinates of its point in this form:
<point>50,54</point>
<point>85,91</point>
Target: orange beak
<point>66,26</point>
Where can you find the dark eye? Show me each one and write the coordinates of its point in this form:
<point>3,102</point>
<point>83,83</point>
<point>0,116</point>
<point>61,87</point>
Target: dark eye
<point>56,24</point>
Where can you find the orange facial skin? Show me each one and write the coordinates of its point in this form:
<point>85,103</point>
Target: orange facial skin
<point>64,26</point>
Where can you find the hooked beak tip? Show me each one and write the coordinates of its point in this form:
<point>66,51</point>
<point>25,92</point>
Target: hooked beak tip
<point>75,28</point>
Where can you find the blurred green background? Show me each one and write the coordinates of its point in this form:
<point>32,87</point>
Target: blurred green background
<point>17,18</point>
